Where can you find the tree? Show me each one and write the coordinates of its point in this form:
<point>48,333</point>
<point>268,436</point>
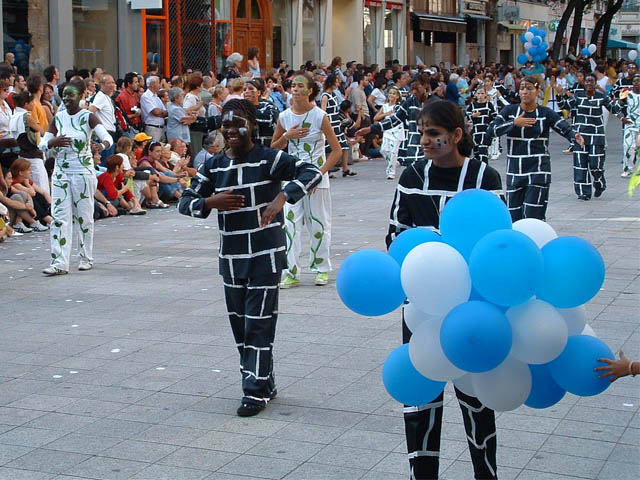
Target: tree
<point>492,32</point>
<point>604,22</point>
<point>577,22</point>
<point>562,26</point>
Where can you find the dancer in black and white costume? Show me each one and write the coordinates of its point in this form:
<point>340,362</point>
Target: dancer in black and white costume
<point>481,113</point>
<point>527,128</point>
<point>588,161</point>
<point>406,115</point>
<point>244,184</point>
<point>422,192</point>
<point>329,103</point>
<point>267,112</point>
<point>499,102</point>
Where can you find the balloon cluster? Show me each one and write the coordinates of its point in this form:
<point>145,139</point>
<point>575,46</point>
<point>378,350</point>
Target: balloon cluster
<point>21,52</point>
<point>588,51</point>
<point>534,45</point>
<point>497,308</point>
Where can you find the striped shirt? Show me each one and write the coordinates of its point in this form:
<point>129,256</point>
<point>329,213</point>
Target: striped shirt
<point>246,248</point>
<point>589,111</point>
<point>481,123</point>
<point>267,120</point>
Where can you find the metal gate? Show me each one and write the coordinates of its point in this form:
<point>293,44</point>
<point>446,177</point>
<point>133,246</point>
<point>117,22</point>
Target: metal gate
<point>192,35</point>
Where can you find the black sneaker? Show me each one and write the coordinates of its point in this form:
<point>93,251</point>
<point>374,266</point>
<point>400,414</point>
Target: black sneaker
<point>250,409</point>
<point>598,192</point>
<point>584,197</point>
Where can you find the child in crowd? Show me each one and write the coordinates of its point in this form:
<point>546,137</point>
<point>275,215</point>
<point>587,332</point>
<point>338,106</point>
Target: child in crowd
<point>391,139</point>
<point>21,182</point>
<point>111,184</point>
<point>481,113</point>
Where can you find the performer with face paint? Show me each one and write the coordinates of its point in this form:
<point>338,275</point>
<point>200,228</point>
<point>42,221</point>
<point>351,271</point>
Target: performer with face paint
<point>305,128</point>
<point>588,161</point>
<point>74,182</point>
<point>630,103</point>
<point>422,192</point>
<point>244,184</point>
<point>527,127</point>
<point>481,113</point>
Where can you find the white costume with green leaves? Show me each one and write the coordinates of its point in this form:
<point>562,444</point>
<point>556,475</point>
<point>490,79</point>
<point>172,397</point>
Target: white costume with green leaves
<point>631,131</point>
<point>72,188</point>
<point>313,210</point>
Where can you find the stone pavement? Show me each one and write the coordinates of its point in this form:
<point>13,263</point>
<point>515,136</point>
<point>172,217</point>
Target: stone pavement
<point>129,371</point>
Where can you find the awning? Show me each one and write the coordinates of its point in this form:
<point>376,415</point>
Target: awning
<point>438,23</point>
<point>513,27</point>
<point>477,16</point>
<point>613,43</point>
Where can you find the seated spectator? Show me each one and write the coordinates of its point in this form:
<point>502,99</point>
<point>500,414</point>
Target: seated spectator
<point>141,140</point>
<point>40,199</point>
<point>102,207</point>
<point>21,211</point>
<point>111,184</point>
<point>212,144</point>
<point>168,183</point>
<point>180,157</point>
<point>145,179</point>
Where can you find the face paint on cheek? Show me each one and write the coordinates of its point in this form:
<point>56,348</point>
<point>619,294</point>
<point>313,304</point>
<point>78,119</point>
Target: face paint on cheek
<point>242,131</point>
<point>441,142</point>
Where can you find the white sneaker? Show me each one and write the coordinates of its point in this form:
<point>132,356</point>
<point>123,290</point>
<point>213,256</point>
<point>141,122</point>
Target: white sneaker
<point>625,173</point>
<point>22,228</point>
<point>38,227</point>
<point>52,271</point>
<point>84,266</point>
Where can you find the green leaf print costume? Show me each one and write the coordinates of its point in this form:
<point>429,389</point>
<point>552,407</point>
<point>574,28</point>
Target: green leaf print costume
<point>313,210</point>
<point>72,188</point>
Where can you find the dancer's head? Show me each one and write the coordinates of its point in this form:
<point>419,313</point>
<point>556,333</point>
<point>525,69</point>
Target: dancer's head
<point>444,137</point>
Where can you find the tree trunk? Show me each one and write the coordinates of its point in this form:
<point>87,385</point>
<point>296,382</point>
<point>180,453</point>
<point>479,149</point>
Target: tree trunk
<point>492,33</point>
<point>577,22</point>
<point>562,26</point>
<point>612,9</point>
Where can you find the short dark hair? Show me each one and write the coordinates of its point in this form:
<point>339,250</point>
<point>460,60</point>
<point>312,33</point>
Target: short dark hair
<point>69,74</point>
<point>84,73</point>
<point>49,73</point>
<point>448,115</point>
<point>34,83</point>
<point>22,98</point>
<point>128,78</point>
<point>152,66</point>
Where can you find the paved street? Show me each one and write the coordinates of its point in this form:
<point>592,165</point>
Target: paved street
<point>129,371</point>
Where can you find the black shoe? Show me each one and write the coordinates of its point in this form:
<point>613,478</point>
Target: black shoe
<point>348,173</point>
<point>273,394</point>
<point>584,197</point>
<point>334,169</point>
<point>598,192</point>
<point>250,409</point>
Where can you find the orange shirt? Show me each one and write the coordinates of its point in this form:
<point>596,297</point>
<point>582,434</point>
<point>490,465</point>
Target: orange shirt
<point>40,115</point>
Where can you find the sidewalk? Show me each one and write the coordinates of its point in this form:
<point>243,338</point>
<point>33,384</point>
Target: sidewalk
<point>130,371</point>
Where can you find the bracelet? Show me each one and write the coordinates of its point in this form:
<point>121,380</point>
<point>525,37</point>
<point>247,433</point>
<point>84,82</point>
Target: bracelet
<point>630,368</point>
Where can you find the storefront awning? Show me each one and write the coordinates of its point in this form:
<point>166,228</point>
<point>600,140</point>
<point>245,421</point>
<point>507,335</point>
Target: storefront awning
<point>477,16</point>
<point>438,23</point>
<point>513,27</point>
<point>613,43</point>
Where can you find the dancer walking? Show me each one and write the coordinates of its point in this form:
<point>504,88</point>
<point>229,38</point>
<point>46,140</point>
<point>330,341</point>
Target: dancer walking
<point>481,113</point>
<point>391,139</point>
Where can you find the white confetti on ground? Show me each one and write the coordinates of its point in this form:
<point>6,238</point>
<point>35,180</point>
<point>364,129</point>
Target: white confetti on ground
<point>57,376</point>
<point>627,404</point>
<point>215,370</point>
<point>79,301</point>
<point>187,266</point>
<point>161,368</point>
<point>18,254</point>
<point>73,372</point>
<point>204,289</point>
<point>74,326</point>
<point>115,350</point>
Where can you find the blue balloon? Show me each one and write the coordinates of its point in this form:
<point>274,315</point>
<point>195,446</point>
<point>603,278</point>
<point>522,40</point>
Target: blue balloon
<point>573,369</point>
<point>545,392</point>
<point>522,58</point>
<point>537,58</point>
<point>573,272</point>
<point>404,383</point>
<point>585,52</point>
<point>408,240</point>
<point>523,38</point>
<point>533,30</point>
<point>368,283</point>
<point>506,267</point>
<point>536,41</point>
<point>542,33</point>
<point>476,336</point>
<point>469,216</point>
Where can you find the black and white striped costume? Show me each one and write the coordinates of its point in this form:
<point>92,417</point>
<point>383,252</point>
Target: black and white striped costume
<point>577,87</point>
<point>267,121</point>
<point>333,112</point>
<point>528,160</point>
<point>420,196</point>
<point>480,126</point>
<point>251,257</point>
<point>622,82</point>
<point>407,115</point>
<point>588,161</point>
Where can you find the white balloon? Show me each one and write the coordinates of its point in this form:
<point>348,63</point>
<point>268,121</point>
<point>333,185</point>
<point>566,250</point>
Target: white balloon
<point>537,230</point>
<point>465,384</point>
<point>633,54</point>
<point>588,331</point>
<point>435,278</point>
<point>639,47</point>
<point>414,317</point>
<point>592,48</point>
<point>528,36</point>
<point>426,353</point>
<point>528,45</point>
<point>539,332</point>
<point>575,318</point>
<point>504,388</point>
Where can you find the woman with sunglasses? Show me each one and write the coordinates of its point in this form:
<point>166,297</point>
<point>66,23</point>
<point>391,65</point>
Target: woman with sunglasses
<point>244,184</point>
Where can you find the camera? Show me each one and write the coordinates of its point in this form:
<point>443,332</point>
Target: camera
<point>135,109</point>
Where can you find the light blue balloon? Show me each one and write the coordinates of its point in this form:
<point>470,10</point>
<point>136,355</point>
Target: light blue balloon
<point>522,38</point>
<point>404,383</point>
<point>536,40</point>
<point>522,58</point>
<point>368,283</point>
<point>476,336</point>
<point>542,33</point>
<point>585,52</point>
<point>545,392</point>
<point>408,240</point>
<point>469,216</point>
<point>573,370</point>
<point>506,267</point>
<point>573,272</point>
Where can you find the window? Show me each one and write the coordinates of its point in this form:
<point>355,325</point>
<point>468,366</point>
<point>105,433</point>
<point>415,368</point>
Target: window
<point>369,40</point>
<point>311,30</point>
<point>255,10</point>
<point>389,20</point>
<point>95,34</point>
<point>241,11</point>
<point>223,9</point>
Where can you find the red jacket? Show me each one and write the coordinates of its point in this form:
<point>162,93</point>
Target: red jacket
<point>110,188</point>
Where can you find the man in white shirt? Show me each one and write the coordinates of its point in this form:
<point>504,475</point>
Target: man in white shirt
<point>102,106</point>
<point>153,110</point>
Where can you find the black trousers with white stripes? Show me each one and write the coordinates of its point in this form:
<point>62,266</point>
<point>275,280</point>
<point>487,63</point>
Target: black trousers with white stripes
<point>252,305</point>
<point>588,170</point>
<point>423,427</point>
<point>527,201</point>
